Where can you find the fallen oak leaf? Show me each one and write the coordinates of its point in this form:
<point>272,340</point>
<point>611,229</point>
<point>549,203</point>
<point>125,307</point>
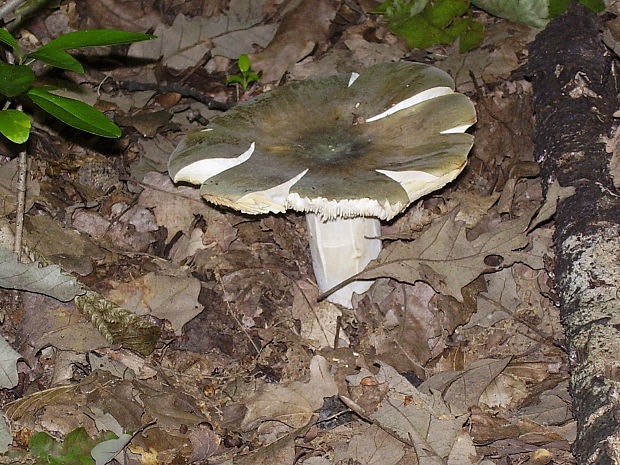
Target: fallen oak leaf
<point>301,30</point>
<point>444,258</point>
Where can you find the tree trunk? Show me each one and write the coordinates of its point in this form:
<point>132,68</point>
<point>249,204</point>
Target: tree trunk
<point>574,99</point>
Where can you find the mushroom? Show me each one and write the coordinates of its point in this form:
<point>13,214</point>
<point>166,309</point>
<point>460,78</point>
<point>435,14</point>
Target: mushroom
<point>348,150</point>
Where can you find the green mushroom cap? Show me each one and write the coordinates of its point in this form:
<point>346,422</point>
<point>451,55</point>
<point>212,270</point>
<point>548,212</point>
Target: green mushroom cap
<point>338,146</point>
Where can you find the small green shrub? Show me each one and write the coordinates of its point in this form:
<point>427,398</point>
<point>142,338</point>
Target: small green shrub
<point>17,80</point>
<point>247,76</point>
<point>424,23</point>
<point>74,450</point>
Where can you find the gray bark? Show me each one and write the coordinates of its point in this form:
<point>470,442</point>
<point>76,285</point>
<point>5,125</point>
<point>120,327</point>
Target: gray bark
<point>574,99</point>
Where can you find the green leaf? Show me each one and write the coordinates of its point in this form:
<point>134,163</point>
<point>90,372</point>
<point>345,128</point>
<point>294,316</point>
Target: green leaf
<point>419,33</point>
<point>58,58</point>
<point>237,79</point>
<point>42,445</point>
<point>381,9</point>
<point>557,7</point>
<point>96,37</point>
<point>15,125</point>
<point>15,79</point>
<point>77,447</point>
<point>442,12</point>
<point>596,6</point>
<point>472,36</point>
<point>534,13</point>
<point>8,39</point>
<point>244,63</point>
<point>74,113</point>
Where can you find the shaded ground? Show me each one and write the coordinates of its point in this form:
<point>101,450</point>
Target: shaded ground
<point>232,359</point>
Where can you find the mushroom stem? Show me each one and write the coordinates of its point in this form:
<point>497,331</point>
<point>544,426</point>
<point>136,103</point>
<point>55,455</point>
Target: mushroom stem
<point>341,248</point>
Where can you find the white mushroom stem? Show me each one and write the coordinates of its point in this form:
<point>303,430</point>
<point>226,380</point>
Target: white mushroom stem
<point>341,248</point>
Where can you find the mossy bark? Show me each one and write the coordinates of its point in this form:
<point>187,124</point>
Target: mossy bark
<point>574,100</point>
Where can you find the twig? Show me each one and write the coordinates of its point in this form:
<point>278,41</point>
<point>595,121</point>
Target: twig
<point>22,171</point>
<point>185,91</point>
<point>9,6</point>
<point>544,337</point>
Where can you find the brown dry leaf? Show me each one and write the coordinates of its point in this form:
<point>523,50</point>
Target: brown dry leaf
<point>67,407</point>
<point>174,298</point>
<point>423,421</point>
<point>46,321</point>
<point>318,319</point>
<point>293,404</point>
<point>126,15</point>
<point>473,206</point>
<point>464,451</point>
<point>300,31</point>
<point>132,403</point>
<point>205,442</point>
<point>147,124</point>
<point>375,447</point>
<point>403,327</point>
<point>370,53</point>
<point>118,234</point>
<point>8,188</point>
<point>179,46</point>
<point>461,390</point>
<point>553,407</point>
<point>183,44</point>
<point>174,207</point>
<point>66,247</point>
<point>280,451</point>
<point>501,292</point>
<point>500,54</point>
<point>503,135</point>
<point>119,361</point>
<point>444,258</point>
<point>487,427</point>
<point>514,384</point>
<point>555,194</point>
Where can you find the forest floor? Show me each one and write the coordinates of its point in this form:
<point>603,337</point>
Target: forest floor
<point>231,358</point>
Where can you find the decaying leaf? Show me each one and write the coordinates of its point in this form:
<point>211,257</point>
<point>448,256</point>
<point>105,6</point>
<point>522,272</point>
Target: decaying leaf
<point>444,258</point>
<point>105,451</point>
<point>500,53</point>
<point>176,207</point>
<point>281,451</point>
<point>292,405</point>
<point>47,322</point>
<point>66,247</point>
<point>299,32</point>
<point>8,365</point>
<point>8,188</point>
<point>49,280</point>
<point>423,421</point>
<point>183,44</point>
<point>318,319</point>
<point>461,390</point>
<point>376,447</point>
<point>174,298</point>
<point>555,194</point>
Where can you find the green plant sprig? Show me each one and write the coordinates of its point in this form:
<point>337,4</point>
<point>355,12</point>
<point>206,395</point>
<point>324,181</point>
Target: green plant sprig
<point>18,80</point>
<point>425,23</point>
<point>247,76</point>
<point>75,449</point>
